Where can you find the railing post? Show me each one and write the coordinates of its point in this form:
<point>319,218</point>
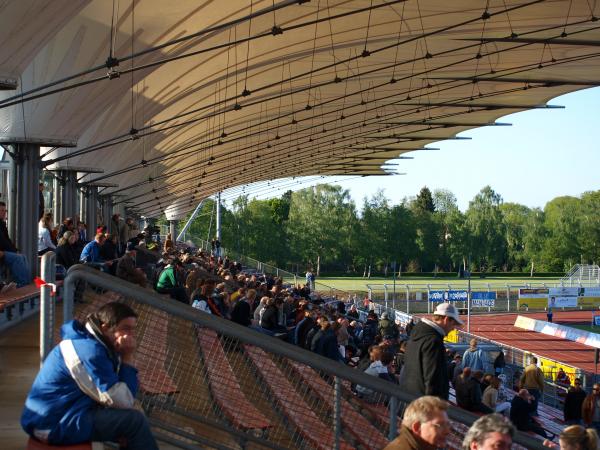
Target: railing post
<point>385,295</point>
<point>47,313</point>
<point>393,418</point>
<point>508,298</point>
<point>337,412</point>
<point>428,302</point>
<point>407,299</point>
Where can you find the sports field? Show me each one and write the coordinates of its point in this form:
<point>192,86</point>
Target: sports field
<point>360,284</point>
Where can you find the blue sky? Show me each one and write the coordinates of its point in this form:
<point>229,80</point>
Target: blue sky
<point>545,154</point>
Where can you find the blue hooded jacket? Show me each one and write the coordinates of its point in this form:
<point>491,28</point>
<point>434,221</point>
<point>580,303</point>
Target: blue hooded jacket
<point>78,376</point>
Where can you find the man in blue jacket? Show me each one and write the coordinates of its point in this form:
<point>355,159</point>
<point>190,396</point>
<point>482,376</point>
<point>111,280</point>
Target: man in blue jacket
<point>86,388</point>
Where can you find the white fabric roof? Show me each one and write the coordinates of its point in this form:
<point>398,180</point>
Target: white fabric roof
<point>317,103</point>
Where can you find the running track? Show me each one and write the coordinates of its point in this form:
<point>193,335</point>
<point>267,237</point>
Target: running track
<point>499,327</point>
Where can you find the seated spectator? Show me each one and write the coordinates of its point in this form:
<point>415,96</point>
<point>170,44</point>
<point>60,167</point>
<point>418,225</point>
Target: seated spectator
<point>126,269</point>
<point>86,388</point>
<point>45,243</point>
<point>67,225</point>
<point>324,343</point>
<point>521,409</point>
<point>468,392</point>
<point>576,437</point>
<point>242,310</point>
<point>269,320</point>
<point>386,328</point>
<point>474,357</point>
<point>302,329</point>
<point>489,432</point>
<point>490,398</point>
<point>380,367</point>
<point>260,309</point>
<point>168,282</point>
<point>91,253</point>
<point>425,425</point>
<point>108,250</point>
<point>562,378</point>
<point>66,251</point>
<point>17,263</point>
<point>353,313</point>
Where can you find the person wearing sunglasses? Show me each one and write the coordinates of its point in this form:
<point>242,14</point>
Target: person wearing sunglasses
<point>573,403</point>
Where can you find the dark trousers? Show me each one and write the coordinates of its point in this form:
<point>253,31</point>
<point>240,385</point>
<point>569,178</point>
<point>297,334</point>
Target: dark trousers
<point>129,427</point>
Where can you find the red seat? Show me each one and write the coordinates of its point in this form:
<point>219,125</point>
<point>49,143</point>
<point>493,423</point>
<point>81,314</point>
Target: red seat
<point>34,444</point>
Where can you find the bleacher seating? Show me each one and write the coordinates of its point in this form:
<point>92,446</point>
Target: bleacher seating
<point>291,403</point>
<point>33,444</point>
<point>18,299</point>
<point>225,387</point>
<point>356,424</point>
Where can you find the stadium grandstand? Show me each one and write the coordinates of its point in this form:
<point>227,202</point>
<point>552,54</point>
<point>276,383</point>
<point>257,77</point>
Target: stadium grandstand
<point>115,114</point>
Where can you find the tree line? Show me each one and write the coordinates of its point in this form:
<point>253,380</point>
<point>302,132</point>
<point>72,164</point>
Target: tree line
<point>321,227</point>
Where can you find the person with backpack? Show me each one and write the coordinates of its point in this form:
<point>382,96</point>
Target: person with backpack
<point>386,328</point>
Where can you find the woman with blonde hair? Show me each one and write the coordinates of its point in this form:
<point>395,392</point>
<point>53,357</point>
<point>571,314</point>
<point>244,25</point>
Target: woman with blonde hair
<point>45,243</point>
<point>576,437</point>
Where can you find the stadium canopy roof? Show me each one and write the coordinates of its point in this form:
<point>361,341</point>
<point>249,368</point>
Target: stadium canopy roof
<point>178,100</point>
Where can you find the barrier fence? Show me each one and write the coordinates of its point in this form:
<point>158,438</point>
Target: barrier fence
<point>206,382</point>
<point>415,298</point>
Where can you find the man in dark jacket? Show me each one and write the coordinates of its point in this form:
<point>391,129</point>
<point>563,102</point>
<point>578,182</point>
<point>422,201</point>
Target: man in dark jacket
<point>387,328</point>
<point>303,327</point>
<point>521,409</point>
<point>573,403</point>
<point>425,369</point>
<point>126,269</point>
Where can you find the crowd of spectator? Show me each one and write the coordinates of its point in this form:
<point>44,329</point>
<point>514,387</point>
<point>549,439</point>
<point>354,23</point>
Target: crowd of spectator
<point>413,356</point>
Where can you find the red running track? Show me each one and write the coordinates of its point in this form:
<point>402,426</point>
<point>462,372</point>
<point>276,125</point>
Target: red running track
<point>499,327</point>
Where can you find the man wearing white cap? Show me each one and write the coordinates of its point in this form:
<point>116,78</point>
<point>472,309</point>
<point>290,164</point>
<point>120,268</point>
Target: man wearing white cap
<point>425,369</point>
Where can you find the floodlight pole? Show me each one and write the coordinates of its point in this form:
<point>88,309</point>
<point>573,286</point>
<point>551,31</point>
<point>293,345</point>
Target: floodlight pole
<point>469,302</point>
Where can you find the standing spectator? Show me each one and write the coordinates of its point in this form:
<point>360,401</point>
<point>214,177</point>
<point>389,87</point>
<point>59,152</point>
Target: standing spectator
<point>425,368</point>
<point>168,245</point>
<point>409,326</point>
<point>82,240</point>
<point>533,380</point>
<point>217,247</point>
<point>45,243</point>
<point>118,228</point>
<point>489,432</point>
<point>574,404</point>
<point>86,388</point>
<point>425,425</point>
<point>17,263</point>
<point>41,206</point>
<point>591,408</point>
<point>454,367</point>
<point>474,357</point>
<point>109,250</point>
<point>499,363</point>
<point>369,331</point>
<point>66,252</point>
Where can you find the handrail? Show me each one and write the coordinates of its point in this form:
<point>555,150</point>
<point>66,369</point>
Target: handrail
<point>275,346</point>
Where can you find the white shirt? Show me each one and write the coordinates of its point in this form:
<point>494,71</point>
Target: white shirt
<point>44,239</point>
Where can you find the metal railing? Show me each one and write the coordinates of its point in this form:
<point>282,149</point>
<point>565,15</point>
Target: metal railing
<point>582,275</point>
<point>208,382</point>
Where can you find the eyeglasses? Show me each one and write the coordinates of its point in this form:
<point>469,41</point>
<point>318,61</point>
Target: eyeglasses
<point>440,425</point>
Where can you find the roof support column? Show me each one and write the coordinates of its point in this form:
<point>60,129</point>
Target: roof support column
<point>107,208</point>
<point>24,213</point>
<point>91,207</point>
<point>173,228</point>
<point>69,192</point>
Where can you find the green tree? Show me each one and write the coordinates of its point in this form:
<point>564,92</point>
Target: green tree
<point>486,230</point>
<point>515,219</point>
<point>424,200</point>
<point>563,224</point>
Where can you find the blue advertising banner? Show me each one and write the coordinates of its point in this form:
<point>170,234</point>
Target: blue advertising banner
<point>483,299</point>
<point>454,296</point>
<point>437,296</point>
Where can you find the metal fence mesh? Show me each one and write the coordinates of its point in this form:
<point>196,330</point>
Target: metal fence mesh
<point>206,389</point>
